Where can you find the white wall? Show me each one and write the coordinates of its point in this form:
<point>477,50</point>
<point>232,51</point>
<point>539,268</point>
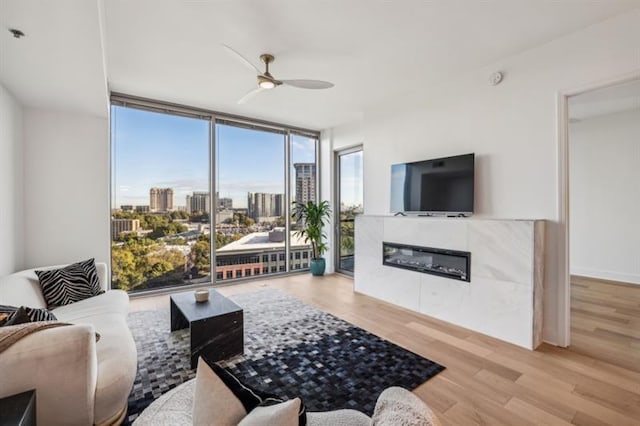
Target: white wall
<point>604,197</point>
<point>511,127</point>
<point>11,184</point>
<point>66,187</point>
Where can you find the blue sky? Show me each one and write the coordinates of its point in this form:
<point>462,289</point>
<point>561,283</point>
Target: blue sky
<point>351,178</point>
<point>152,149</point>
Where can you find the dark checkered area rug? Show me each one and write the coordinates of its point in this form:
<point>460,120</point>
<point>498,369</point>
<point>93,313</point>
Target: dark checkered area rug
<point>291,350</point>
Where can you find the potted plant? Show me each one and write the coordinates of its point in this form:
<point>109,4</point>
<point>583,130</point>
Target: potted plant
<point>313,217</point>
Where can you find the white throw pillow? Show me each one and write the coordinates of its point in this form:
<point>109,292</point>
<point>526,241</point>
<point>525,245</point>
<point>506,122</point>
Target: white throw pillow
<point>399,407</point>
<point>213,403</point>
<point>282,414</point>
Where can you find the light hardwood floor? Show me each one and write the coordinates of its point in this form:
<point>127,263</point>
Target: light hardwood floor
<point>605,321</point>
<point>487,382</point>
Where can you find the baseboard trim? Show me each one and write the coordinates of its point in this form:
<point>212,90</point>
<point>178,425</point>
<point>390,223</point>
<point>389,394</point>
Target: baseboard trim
<point>606,275</point>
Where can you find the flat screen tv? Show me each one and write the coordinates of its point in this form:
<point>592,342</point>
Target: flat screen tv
<point>443,186</point>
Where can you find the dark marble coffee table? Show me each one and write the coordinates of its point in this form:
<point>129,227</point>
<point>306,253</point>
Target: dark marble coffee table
<point>217,326</point>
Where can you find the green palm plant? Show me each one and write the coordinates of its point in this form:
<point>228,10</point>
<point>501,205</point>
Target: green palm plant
<point>313,218</point>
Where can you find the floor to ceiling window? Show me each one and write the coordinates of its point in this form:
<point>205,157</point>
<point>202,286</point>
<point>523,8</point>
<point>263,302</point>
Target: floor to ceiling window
<point>160,191</point>
<point>169,192</point>
<point>251,202</point>
<point>350,198</point>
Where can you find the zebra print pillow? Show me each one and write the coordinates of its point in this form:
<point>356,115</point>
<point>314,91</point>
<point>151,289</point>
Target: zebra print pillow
<point>8,314</point>
<point>70,284</point>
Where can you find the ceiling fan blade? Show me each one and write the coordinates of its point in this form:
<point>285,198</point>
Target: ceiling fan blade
<point>308,84</point>
<point>250,95</point>
<point>241,58</point>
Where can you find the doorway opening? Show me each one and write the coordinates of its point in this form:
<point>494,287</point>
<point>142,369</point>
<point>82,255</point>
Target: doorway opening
<point>603,147</point>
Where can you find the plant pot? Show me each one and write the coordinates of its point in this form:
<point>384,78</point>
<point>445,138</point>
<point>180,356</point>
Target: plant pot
<point>317,266</point>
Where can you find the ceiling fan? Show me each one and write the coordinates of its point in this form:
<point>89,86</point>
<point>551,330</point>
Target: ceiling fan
<point>266,81</point>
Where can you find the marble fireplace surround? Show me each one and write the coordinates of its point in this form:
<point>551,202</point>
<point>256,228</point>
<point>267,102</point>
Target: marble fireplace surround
<point>503,298</point>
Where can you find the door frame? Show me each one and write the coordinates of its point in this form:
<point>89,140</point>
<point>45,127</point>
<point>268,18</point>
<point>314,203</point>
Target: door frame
<point>564,270</point>
<point>336,214</point>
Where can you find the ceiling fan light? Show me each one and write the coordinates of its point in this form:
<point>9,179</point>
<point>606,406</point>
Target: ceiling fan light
<point>266,84</point>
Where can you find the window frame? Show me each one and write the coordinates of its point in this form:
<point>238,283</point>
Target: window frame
<point>214,118</point>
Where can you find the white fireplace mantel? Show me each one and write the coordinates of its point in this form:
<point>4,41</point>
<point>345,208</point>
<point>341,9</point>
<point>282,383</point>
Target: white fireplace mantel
<point>503,298</point>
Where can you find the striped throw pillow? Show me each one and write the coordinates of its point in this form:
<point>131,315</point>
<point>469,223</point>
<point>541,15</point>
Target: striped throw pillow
<point>70,284</point>
<point>8,313</point>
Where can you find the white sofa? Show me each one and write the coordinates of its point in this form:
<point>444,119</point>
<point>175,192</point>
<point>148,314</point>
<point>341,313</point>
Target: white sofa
<point>78,381</point>
<point>395,406</point>
<point>174,409</point>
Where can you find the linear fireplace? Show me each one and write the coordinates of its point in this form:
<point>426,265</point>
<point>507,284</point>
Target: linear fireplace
<point>445,263</point>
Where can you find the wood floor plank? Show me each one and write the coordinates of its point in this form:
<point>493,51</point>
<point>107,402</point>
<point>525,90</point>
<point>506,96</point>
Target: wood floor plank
<point>582,419</point>
<point>461,344</point>
<point>610,396</point>
<point>605,321</point>
<point>541,417</point>
<point>594,409</point>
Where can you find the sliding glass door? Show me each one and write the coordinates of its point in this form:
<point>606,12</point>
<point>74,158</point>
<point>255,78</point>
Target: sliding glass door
<point>349,204</point>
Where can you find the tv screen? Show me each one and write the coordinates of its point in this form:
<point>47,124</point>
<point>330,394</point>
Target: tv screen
<point>443,185</point>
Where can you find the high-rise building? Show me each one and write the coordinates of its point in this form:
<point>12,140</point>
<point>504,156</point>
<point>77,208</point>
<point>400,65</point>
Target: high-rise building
<point>142,209</point>
<point>223,203</point>
<point>305,182</point>
<point>278,205</point>
<point>198,202</point>
<point>119,226</point>
<point>263,205</point>
<point>161,200</point>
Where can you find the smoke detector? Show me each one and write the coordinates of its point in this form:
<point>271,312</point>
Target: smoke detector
<point>496,78</point>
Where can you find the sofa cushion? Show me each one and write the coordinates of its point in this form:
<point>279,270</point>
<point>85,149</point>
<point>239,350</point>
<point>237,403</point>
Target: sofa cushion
<point>111,302</point>
<point>22,289</point>
<point>281,414</point>
<point>247,395</point>
<point>70,284</point>
<point>214,403</point>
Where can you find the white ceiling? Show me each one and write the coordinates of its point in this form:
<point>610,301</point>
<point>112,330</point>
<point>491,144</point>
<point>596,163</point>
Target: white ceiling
<point>170,49</point>
<point>59,63</point>
<point>605,101</point>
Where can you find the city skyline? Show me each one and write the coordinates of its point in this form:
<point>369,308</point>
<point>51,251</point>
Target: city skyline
<point>151,149</point>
